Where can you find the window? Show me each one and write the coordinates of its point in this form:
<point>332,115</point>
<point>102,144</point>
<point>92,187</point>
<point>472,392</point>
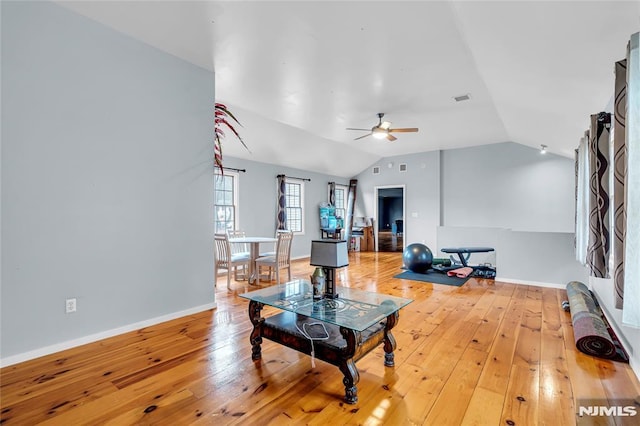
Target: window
<point>225,204</point>
<point>341,200</point>
<point>294,193</point>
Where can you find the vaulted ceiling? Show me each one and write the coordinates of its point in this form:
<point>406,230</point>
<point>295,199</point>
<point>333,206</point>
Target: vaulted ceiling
<point>297,73</point>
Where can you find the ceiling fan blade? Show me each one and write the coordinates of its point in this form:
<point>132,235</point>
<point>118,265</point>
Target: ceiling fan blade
<point>385,125</point>
<point>405,130</point>
<point>363,136</point>
<point>364,130</point>
<point>391,138</point>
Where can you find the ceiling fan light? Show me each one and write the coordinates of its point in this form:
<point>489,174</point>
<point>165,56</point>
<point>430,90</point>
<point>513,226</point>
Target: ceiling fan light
<point>380,134</point>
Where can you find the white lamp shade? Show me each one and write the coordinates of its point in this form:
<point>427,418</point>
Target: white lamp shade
<point>329,253</point>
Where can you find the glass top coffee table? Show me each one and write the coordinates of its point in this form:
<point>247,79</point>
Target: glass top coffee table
<point>338,331</point>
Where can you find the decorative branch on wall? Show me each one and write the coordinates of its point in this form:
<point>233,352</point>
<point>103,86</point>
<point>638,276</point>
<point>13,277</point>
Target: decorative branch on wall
<point>221,119</point>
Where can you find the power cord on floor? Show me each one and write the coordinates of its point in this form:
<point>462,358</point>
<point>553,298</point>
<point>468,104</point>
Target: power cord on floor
<point>306,334</point>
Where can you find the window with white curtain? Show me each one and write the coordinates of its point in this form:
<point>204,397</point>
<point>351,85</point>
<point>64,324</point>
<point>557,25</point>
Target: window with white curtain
<point>294,193</point>
<point>341,200</point>
<point>225,198</point>
<point>582,201</point>
<point>631,308</point>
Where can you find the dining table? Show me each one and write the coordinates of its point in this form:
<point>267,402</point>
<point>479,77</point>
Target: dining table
<point>254,251</point>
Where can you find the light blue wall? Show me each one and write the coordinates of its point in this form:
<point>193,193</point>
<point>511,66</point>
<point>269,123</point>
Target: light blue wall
<point>107,179</point>
<point>257,200</point>
<point>422,192</point>
<point>107,183</point>
<point>504,195</point>
<point>470,196</point>
<point>504,185</point>
<point>508,185</point>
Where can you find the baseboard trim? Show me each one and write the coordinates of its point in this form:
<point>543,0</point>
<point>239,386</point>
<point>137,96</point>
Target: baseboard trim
<point>48,350</point>
<point>534,283</point>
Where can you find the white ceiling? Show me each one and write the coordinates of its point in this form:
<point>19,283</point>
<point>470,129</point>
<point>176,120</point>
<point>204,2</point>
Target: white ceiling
<point>297,73</point>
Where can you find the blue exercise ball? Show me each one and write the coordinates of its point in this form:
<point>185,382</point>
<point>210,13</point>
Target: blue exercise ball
<point>417,258</point>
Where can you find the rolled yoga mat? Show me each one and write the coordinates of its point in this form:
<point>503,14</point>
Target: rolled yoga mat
<point>590,329</point>
<point>440,261</point>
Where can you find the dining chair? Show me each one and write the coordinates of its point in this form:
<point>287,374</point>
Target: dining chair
<point>225,259</point>
<point>272,252</point>
<point>281,259</point>
<point>239,249</point>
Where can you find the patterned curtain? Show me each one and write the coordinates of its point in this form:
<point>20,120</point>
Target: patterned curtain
<point>582,199</point>
<point>598,250</point>
<point>281,219</point>
<point>332,193</point>
<point>619,176</point>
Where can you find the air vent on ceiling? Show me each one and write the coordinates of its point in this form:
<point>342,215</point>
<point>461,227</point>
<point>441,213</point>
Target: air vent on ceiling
<point>462,98</point>
<point>403,167</point>
<point>376,170</point>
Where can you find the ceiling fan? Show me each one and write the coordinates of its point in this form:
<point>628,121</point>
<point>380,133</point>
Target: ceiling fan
<point>383,130</point>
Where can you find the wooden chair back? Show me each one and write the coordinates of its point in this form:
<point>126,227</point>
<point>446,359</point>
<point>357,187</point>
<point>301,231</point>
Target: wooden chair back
<point>223,251</point>
<point>237,248</point>
<point>283,249</point>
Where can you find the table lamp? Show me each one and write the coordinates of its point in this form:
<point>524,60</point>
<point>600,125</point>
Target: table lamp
<point>330,255</point>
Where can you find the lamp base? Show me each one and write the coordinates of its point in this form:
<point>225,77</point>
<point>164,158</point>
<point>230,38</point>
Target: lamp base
<point>330,285</point>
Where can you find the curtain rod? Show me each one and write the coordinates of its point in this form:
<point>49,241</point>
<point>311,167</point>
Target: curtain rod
<point>234,169</point>
<point>293,177</point>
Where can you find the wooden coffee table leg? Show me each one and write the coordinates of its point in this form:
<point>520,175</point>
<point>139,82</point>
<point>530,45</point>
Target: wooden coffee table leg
<point>256,334</point>
<point>348,366</point>
<point>351,378</point>
<point>389,340</point>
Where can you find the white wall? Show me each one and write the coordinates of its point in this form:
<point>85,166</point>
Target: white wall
<point>107,189</point>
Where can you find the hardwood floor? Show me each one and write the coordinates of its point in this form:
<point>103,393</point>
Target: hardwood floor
<point>486,353</point>
<point>388,241</point>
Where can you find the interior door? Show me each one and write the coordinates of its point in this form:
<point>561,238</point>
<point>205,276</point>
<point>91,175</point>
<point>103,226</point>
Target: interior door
<point>389,218</point>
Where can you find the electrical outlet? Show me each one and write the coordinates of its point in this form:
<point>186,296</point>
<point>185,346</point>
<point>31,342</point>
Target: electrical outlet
<point>70,305</point>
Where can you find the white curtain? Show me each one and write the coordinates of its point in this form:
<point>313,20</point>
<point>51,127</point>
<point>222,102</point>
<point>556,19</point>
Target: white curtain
<point>582,199</point>
<point>631,309</point>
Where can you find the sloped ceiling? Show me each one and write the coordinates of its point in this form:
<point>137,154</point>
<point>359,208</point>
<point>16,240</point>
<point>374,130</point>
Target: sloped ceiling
<point>298,73</point>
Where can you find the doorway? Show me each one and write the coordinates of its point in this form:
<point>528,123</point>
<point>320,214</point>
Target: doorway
<point>389,218</point>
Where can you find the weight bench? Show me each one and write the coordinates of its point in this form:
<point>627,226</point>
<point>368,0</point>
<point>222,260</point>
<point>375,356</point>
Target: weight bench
<point>464,253</point>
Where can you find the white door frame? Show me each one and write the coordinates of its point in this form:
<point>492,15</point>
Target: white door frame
<point>404,211</point>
